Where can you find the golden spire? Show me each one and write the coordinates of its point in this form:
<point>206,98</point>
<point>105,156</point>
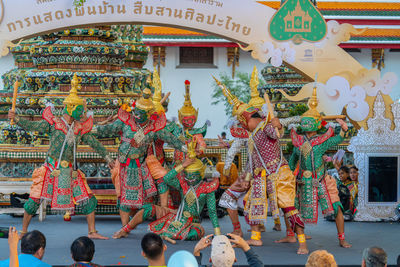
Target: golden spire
<point>187,109</point>
<point>312,106</point>
<point>255,101</point>
<point>73,99</point>
<point>157,92</point>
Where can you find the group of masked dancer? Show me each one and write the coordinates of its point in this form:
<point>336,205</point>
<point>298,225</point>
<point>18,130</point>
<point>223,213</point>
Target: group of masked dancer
<point>174,196</point>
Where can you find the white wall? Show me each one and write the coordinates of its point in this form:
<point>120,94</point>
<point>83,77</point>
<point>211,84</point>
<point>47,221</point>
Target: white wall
<point>201,85</point>
<point>392,64</point>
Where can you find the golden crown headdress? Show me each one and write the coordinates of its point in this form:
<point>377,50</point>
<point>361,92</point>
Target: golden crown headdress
<point>312,111</point>
<point>145,102</point>
<point>157,92</point>
<point>255,101</point>
<point>73,99</point>
<point>197,165</point>
<point>187,109</point>
<point>238,106</point>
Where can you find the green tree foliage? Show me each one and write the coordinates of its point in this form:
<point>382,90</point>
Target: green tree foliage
<point>239,86</point>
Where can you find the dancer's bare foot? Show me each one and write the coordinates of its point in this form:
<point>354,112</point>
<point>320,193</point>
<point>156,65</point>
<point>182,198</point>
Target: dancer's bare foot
<point>287,239</point>
<point>238,232</point>
<point>256,243</point>
<point>261,228</point>
<point>95,235</point>
<point>120,234</point>
<point>344,244</point>
<point>169,240</point>
<point>277,227</point>
<point>302,249</point>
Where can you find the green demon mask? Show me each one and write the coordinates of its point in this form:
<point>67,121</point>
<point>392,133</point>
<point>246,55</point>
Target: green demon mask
<point>141,116</point>
<point>193,178</point>
<point>310,124</point>
<point>75,111</point>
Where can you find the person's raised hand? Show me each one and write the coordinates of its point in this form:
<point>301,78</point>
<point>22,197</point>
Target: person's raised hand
<point>11,114</point>
<point>342,124</point>
<point>203,243</point>
<point>13,239</point>
<point>276,123</point>
<point>239,242</point>
<point>188,161</point>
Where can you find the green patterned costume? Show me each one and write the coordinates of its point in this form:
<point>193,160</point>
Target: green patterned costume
<point>185,224</point>
<point>313,186</point>
<point>58,180</point>
<point>133,182</point>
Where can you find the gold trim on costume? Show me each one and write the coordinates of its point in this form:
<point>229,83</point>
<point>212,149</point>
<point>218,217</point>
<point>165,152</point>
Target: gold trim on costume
<point>179,168</point>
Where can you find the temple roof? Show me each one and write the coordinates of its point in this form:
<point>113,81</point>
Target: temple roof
<point>381,18</point>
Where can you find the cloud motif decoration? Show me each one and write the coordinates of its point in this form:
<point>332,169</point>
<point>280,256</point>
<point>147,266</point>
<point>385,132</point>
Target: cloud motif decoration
<point>265,51</point>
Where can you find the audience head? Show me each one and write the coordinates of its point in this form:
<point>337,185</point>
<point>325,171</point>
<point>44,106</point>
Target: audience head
<point>398,261</point>
<point>344,173</point>
<point>374,257</point>
<point>82,249</point>
<point>33,243</point>
<point>152,246</point>
<point>222,253</point>
<point>223,135</point>
<point>354,173</point>
<point>182,258</point>
<point>321,258</point>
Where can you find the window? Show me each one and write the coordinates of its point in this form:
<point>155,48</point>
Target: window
<point>196,57</point>
<point>382,179</point>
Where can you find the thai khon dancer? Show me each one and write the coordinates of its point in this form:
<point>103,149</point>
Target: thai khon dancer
<point>233,196</point>
<point>271,177</point>
<point>184,223</point>
<point>59,180</point>
<point>131,176</point>
<point>314,187</point>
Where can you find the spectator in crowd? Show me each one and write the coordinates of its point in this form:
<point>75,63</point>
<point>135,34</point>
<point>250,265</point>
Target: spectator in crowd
<point>13,239</point>
<point>153,249</point>
<point>354,174</point>
<point>398,261</point>
<point>223,142</point>
<point>374,257</point>
<point>351,194</point>
<point>82,252</point>
<point>222,253</point>
<point>33,246</point>
<point>182,258</point>
<point>321,258</point>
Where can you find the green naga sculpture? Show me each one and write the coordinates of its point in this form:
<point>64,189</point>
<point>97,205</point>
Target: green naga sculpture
<point>298,20</point>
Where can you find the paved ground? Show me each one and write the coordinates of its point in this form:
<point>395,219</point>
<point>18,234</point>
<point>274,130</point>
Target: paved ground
<point>60,235</point>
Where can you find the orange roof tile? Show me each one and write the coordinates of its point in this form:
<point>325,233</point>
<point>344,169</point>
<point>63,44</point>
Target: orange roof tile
<point>153,30</point>
<point>150,30</point>
<point>380,32</point>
